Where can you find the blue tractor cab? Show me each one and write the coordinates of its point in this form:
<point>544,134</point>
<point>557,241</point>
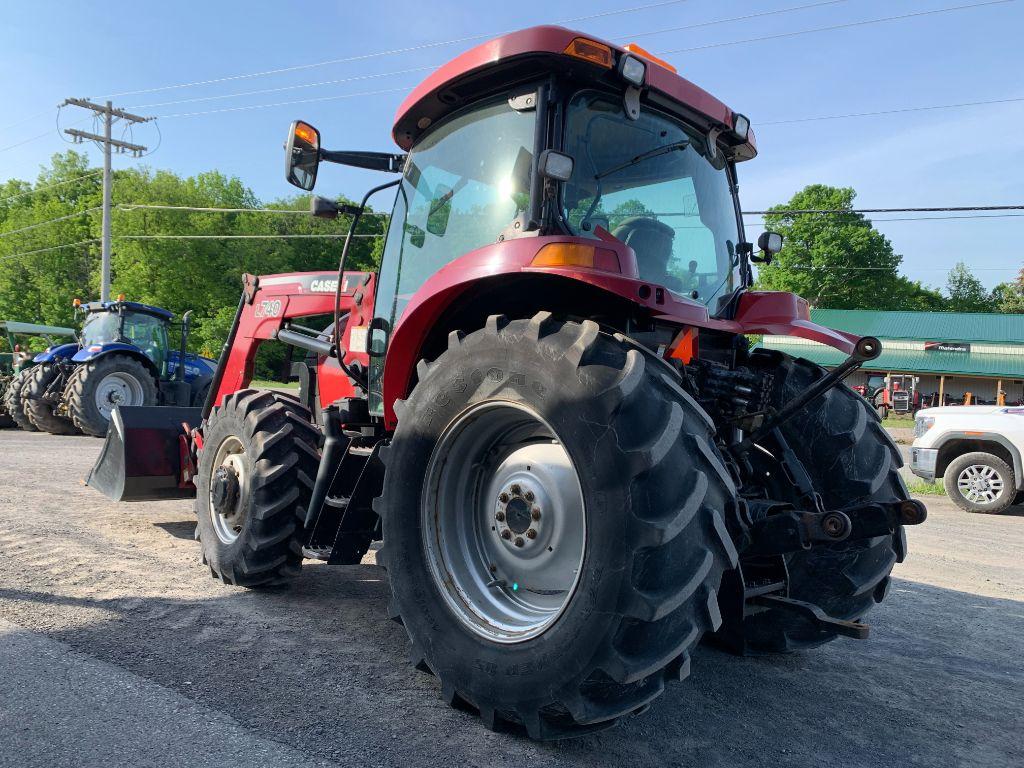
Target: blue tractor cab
<point>123,357</point>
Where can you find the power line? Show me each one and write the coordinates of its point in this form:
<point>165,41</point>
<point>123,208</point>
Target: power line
<point>339,81</point>
<point>746,17</point>
<point>241,237</point>
<point>391,52</point>
<point>284,103</point>
<point>51,221</point>
<point>52,248</point>
<point>944,209</point>
<point>848,25</point>
<point>50,186</point>
<point>892,111</point>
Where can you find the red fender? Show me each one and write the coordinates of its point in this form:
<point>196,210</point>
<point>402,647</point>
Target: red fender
<point>758,312</point>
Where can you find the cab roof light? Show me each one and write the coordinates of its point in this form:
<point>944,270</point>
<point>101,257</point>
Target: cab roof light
<point>740,126</point>
<point>590,50</point>
<point>120,297</point>
<point>634,48</point>
<point>632,70</point>
<point>576,255</point>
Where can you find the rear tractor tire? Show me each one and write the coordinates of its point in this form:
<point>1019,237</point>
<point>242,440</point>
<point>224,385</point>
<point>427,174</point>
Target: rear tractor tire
<point>43,413</point>
<point>254,480</point>
<point>95,388</point>
<point>554,533</point>
<point>14,402</point>
<point>850,458</point>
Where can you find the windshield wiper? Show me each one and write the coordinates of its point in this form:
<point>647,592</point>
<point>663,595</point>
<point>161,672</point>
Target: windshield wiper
<point>657,151</point>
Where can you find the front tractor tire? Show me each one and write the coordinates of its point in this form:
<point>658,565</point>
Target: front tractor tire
<point>554,525</point>
<point>43,413</point>
<point>254,480</point>
<point>95,388</point>
<point>850,458</point>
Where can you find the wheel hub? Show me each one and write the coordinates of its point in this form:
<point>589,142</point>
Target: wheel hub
<point>504,522</point>
<point>224,490</point>
<point>980,484</point>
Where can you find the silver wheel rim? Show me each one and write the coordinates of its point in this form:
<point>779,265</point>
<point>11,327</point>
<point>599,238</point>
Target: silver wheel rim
<point>229,522</point>
<point>504,523</point>
<point>118,388</point>
<point>980,484</point>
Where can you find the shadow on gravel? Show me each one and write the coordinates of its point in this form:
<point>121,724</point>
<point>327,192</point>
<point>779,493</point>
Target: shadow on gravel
<point>184,529</point>
<point>318,667</point>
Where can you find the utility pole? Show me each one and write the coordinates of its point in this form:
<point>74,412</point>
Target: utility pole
<point>110,115</point>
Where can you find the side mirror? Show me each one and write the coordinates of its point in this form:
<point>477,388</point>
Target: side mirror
<point>302,155</point>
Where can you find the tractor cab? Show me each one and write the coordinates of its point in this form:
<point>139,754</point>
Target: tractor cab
<point>127,322</point>
<point>598,151</point>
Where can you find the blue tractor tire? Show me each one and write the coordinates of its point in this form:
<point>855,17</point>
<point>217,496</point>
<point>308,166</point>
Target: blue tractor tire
<point>97,386</point>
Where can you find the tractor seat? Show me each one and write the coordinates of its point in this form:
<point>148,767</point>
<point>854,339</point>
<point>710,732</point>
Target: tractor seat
<point>652,241</point>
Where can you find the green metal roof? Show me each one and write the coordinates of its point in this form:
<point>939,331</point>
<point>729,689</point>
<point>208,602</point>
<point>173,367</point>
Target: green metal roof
<point>990,327</point>
<point>915,360</point>
<point>14,326</point>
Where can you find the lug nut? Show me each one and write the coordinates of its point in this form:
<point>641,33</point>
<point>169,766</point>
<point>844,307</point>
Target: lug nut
<point>515,489</point>
<point>499,516</point>
<point>529,496</point>
<point>519,541</point>
<point>535,513</point>
<point>503,498</point>
<point>506,534</point>
<point>531,534</point>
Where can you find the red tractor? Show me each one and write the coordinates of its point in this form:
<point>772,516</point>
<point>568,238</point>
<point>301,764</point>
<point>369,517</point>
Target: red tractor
<point>544,404</point>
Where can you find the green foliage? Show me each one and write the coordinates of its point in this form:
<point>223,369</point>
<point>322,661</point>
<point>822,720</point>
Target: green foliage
<point>965,292</point>
<point>840,260</point>
<point>1009,297</point>
<point>203,275</point>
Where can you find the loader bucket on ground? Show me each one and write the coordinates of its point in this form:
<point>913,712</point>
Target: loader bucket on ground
<point>141,458</point>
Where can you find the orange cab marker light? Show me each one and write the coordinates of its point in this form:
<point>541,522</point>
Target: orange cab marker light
<point>684,346</point>
<point>645,54</point>
<point>590,50</point>
<point>76,303</point>
<point>576,255</point>
<point>120,297</point>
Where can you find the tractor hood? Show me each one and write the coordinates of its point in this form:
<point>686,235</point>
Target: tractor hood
<point>530,54</point>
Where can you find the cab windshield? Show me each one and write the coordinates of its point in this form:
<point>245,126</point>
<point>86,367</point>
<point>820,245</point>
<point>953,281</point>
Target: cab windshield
<point>100,328</point>
<point>651,183</point>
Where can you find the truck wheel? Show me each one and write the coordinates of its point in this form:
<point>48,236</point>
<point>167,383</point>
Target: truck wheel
<point>95,388</point>
<point>16,404</point>
<point>980,482</point>
<point>553,516</point>
<point>850,458</point>
<point>43,413</point>
<point>254,479</point>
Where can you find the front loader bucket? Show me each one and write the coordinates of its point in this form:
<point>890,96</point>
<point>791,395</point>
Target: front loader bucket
<point>142,456</point>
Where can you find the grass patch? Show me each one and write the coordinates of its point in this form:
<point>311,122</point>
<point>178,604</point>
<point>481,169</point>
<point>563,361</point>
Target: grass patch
<point>898,421</point>
<point>265,384</point>
<point>922,488</point>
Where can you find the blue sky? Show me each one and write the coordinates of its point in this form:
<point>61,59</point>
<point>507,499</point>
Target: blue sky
<point>973,156</point>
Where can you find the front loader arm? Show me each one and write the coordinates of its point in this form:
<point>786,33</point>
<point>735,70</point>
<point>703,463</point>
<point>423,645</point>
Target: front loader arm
<point>270,302</point>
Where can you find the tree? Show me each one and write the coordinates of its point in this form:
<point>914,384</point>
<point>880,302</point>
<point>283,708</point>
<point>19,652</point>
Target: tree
<point>838,260</point>
<point>966,292</point>
<point>1009,297</point>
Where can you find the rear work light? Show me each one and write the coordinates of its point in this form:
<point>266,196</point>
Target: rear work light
<point>576,255</point>
<point>590,50</point>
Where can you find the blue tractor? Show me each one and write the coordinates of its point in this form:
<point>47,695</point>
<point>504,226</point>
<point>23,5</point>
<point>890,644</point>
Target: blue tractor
<point>122,358</point>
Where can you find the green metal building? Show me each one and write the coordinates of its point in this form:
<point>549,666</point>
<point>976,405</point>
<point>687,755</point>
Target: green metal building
<point>951,353</point>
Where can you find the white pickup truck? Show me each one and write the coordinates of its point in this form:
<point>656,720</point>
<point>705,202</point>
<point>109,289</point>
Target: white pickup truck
<point>976,449</point>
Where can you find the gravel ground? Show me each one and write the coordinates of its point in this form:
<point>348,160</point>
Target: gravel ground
<point>117,648</point>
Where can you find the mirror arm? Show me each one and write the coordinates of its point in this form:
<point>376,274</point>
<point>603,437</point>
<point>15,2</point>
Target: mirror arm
<point>374,161</point>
